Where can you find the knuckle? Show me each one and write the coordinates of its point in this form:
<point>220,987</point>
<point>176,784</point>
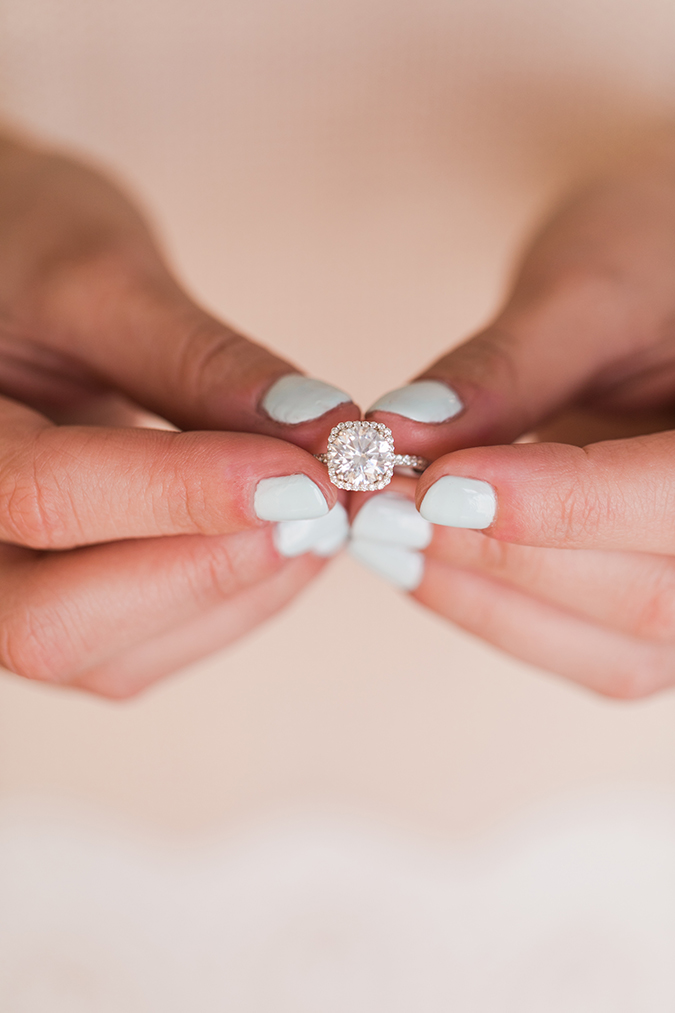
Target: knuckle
<point>203,343</point>
<point>222,573</point>
<point>232,563</point>
<point>498,557</point>
<point>179,489</point>
<point>186,499</point>
<point>656,618</point>
<point>491,359</point>
<point>492,554</point>
<point>34,507</point>
<point>34,647</point>
<point>580,511</point>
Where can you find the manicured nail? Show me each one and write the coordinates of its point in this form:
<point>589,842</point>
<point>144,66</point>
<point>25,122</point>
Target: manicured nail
<point>289,498</point>
<point>399,566</point>
<point>391,518</point>
<point>296,398</point>
<point>421,401</point>
<point>324,536</point>
<point>460,503</point>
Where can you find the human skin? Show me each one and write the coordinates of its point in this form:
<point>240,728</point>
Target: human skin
<point>127,548</point>
<point>128,551</point>
<point>576,573</point>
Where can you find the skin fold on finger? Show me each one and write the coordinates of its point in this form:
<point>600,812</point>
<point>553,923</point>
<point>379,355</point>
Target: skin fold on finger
<point>64,613</point>
<point>542,635</point>
<point>581,426</point>
<point>135,670</point>
<point>62,486</point>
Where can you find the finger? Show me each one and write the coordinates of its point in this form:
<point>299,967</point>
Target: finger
<point>614,495</point>
<point>388,533</point>
<point>591,305</point>
<point>134,670</point>
<point>139,332</point>
<point>629,592</point>
<point>516,598</point>
<point>82,277</point>
<point>62,486</point>
<point>514,375</point>
<point>542,635</point>
<point>581,426</point>
<point>64,613</point>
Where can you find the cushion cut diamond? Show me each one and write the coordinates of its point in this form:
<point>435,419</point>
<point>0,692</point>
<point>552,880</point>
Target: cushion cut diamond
<point>360,456</point>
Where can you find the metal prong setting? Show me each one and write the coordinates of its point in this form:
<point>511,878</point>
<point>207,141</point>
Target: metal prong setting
<point>386,458</point>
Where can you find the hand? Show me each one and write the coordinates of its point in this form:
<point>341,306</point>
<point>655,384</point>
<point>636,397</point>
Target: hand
<point>128,548</point>
<point>561,553</point>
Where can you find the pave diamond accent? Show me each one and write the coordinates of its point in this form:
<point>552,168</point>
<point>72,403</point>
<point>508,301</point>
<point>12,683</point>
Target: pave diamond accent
<point>360,456</point>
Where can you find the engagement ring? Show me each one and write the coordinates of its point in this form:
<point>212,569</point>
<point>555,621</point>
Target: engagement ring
<point>360,456</point>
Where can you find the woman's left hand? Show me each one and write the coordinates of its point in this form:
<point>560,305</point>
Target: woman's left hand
<point>561,553</point>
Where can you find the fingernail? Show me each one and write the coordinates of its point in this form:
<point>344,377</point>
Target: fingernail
<point>399,566</point>
<point>460,503</point>
<point>391,518</point>
<point>421,401</point>
<point>296,398</point>
<point>289,498</point>
<point>324,536</point>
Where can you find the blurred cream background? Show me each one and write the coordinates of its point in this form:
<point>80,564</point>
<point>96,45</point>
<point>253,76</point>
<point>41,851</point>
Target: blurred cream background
<point>320,819</point>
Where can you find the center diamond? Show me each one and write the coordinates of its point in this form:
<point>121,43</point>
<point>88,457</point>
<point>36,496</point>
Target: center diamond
<point>360,456</point>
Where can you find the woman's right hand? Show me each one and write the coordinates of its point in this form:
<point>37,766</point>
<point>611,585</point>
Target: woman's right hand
<point>129,548</point>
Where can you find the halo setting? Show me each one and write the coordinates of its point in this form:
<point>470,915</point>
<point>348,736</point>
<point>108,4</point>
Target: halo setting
<point>360,456</point>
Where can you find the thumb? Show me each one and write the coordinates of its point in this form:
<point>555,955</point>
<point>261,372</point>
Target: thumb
<point>143,335</point>
<point>81,274</point>
<point>619,494</point>
<point>511,376</point>
<point>593,294</point>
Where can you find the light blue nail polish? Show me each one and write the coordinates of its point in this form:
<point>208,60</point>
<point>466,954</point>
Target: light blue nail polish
<point>288,498</point>
<point>295,398</point>
<point>401,567</point>
<point>388,517</point>
<point>421,401</point>
<point>460,503</point>
<point>323,536</point>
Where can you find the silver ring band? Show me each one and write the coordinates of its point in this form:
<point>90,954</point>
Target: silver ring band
<point>413,461</point>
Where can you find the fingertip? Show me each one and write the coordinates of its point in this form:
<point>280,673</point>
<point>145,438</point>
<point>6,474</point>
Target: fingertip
<point>400,566</point>
<point>458,502</point>
<point>427,417</point>
<point>289,498</point>
<point>243,480</point>
<point>293,399</point>
<point>426,401</point>
<point>323,536</point>
<point>392,517</point>
<point>303,411</point>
